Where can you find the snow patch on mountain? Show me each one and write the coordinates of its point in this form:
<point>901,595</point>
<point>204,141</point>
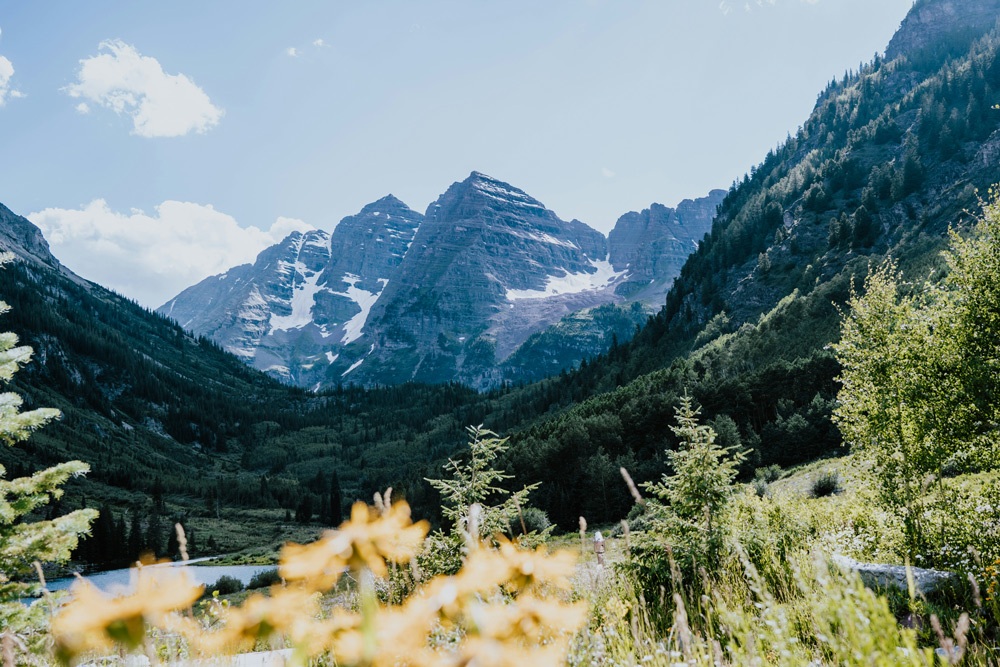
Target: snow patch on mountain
<point>359,361</point>
<point>302,301</point>
<point>572,283</point>
<point>365,301</point>
<point>545,238</point>
<point>502,192</point>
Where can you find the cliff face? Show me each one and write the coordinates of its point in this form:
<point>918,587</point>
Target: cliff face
<point>25,241</point>
<point>291,311</point>
<point>653,245</point>
<point>489,266</point>
<point>932,22</point>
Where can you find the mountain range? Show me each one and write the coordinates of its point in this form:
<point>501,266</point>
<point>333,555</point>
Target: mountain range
<point>393,296</point>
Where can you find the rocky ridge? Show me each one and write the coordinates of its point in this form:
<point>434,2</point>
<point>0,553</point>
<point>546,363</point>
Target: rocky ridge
<point>933,21</point>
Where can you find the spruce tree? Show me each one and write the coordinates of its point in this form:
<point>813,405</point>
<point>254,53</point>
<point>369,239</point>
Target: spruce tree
<point>336,502</point>
<point>692,499</point>
<point>136,542</point>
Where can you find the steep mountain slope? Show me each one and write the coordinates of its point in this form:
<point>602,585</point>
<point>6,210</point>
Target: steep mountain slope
<point>649,248</point>
<point>889,159</point>
<point>933,23</point>
<point>381,302</point>
<point>489,266</point>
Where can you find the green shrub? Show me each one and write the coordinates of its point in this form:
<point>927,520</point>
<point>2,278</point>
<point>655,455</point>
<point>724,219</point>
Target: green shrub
<point>826,484</point>
<point>225,585</point>
<point>535,521</point>
<point>264,579</point>
<point>768,475</point>
<point>760,487</point>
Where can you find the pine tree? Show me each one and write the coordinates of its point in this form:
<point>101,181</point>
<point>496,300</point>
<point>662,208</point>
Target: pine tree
<point>22,541</point>
<point>153,543</point>
<point>694,497</point>
<point>304,512</point>
<point>135,537</point>
<point>336,500</point>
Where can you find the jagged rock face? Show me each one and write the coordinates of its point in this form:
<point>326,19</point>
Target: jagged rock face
<point>392,296</point>
<point>653,245</point>
<point>930,21</point>
<point>578,336</point>
<point>489,266</point>
<point>20,237</point>
<point>365,251</point>
<point>303,299</point>
<point>248,304</point>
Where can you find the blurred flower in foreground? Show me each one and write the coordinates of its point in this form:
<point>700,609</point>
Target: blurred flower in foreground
<point>93,620</point>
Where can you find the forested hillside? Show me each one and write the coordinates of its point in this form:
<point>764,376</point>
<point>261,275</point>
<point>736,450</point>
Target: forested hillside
<point>891,157</point>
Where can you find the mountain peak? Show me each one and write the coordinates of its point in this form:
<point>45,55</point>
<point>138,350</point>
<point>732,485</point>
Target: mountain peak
<point>480,192</point>
<point>390,202</point>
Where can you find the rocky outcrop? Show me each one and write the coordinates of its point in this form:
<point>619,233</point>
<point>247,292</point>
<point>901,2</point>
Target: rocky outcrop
<point>880,575</point>
<point>24,240</point>
<point>292,311</point>
<point>653,245</point>
<point>934,21</point>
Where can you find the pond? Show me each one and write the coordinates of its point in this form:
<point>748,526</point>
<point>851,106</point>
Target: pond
<point>119,581</point>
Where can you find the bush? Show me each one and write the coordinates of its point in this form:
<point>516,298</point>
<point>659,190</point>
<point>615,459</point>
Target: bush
<point>225,585</point>
<point>826,484</point>
<point>264,579</point>
<point>760,487</point>
<point>770,474</point>
<point>535,521</point>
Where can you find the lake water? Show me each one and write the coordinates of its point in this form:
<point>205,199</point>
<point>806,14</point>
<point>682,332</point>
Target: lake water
<point>119,581</point>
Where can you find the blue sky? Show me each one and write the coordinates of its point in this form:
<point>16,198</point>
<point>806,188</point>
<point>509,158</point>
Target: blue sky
<point>158,143</point>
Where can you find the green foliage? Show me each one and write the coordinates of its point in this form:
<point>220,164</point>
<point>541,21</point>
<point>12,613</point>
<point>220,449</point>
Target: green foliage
<point>771,473</point>
<point>264,579</point>
<point>688,515</point>
<point>920,371</point>
<point>224,585</point>
<point>535,521</point>
<point>476,483</point>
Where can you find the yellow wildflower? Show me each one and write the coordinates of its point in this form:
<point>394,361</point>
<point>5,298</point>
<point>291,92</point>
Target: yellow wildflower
<point>538,567</point>
<point>290,612</point>
<point>94,620</point>
<point>530,618</point>
<point>366,540</point>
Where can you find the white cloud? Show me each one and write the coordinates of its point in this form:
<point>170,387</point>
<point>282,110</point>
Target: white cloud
<point>283,226</point>
<point>292,51</point>
<point>151,258</point>
<point>160,104</point>
<point>726,6</point>
<point>318,42</point>
<point>607,173</point>
<point>6,74</point>
<point>82,108</point>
